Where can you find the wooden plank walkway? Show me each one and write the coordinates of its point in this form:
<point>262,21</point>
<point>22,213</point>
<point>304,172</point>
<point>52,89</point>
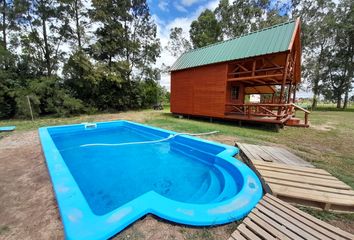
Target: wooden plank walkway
<point>271,154</point>
<point>307,186</point>
<point>272,218</point>
<point>302,185</point>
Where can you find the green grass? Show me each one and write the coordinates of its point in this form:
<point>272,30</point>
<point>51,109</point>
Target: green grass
<point>4,229</point>
<point>328,143</point>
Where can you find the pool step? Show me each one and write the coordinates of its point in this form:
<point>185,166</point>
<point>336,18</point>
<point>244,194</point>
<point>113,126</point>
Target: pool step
<point>213,190</point>
<point>201,190</point>
<point>230,188</point>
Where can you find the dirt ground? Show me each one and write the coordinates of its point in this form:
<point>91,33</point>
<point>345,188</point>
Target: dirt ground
<point>28,209</point>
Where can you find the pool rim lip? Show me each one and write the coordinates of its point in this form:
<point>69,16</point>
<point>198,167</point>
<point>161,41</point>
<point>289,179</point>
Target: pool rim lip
<point>81,223</point>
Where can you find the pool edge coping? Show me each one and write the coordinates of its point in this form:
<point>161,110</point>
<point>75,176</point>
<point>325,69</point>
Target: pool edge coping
<point>76,221</point>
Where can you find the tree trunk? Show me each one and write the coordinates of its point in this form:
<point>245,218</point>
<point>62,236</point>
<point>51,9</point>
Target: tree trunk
<point>349,79</point>
<point>46,48</point>
<point>78,33</point>
<point>346,99</point>
<point>339,101</point>
<point>4,6</point>
<point>314,101</point>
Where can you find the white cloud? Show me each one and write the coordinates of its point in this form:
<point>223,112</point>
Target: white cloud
<point>180,7</point>
<point>189,2</point>
<point>163,29</point>
<point>163,5</point>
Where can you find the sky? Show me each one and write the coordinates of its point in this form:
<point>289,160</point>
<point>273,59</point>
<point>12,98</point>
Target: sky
<point>175,13</point>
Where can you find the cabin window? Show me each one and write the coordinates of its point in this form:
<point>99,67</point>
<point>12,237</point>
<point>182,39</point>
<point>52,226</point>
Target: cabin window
<point>235,91</point>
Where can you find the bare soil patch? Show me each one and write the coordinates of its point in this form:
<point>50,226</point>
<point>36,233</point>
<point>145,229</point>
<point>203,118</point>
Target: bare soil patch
<point>27,206</point>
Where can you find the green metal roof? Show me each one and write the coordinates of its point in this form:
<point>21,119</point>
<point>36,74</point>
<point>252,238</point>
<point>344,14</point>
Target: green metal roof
<point>269,40</point>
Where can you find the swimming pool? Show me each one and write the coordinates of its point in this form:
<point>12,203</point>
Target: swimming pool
<point>101,189</point>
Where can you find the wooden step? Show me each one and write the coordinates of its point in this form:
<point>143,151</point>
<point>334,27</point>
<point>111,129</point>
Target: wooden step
<point>296,122</point>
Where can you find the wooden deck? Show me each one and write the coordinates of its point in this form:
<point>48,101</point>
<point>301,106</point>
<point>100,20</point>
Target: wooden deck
<point>276,113</point>
<point>252,152</point>
<point>291,180</point>
<point>272,218</point>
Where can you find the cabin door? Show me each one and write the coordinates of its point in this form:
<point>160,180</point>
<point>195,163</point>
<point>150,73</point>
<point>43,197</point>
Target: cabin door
<point>235,93</point>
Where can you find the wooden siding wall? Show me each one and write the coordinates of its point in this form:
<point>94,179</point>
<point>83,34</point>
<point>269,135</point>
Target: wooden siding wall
<point>199,91</point>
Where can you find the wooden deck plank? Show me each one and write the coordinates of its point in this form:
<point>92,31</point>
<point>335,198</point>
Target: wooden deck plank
<point>296,172</point>
<point>315,193</point>
<point>236,235</point>
<point>303,179</point>
<point>311,232</point>
<point>296,168</point>
<point>309,186</point>
<point>257,150</point>
<point>275,232</point>
<point>245,151</point>
<point>253,226</point>
<point>329,227</point>
<point>273,218</point>
<point>305,221</point>
<point>281,158</point>
<point>271,154</point>
<point>277,225</point>
<point>316,196</point>
<point>247,233</point>
<point>283,220</point>
<point>251,154</point>
<point>268,150</point>
<point>283,153</point>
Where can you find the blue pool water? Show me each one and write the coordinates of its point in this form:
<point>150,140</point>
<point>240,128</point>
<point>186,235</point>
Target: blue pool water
<point>170,168</point>
<point>183,179</point>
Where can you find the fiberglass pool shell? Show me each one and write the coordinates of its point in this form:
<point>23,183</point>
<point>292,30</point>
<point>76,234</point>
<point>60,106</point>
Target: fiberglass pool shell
<point>101,190</point>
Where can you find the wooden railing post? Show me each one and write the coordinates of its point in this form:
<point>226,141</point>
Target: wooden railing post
<point>284,81</point>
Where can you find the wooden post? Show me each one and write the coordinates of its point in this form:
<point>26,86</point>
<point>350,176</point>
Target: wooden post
<point>254,68</point>
<point>289,93</point>
<point>294,94</point>
<point>283,83</point>
<point>30,108</point>
<point>284,78</point>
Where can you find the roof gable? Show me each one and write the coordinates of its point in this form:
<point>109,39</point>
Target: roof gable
<point>266,41</point>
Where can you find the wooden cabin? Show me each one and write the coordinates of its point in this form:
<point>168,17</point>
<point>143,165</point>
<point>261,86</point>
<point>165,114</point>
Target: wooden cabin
<point>250,78</point>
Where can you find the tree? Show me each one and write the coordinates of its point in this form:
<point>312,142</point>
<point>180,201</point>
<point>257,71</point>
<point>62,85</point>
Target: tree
<point>12,13</point>
<point>177,44</point>
<point>241,16</point>
<point>205,30</point>
<point>46,34</point>
<point>317,39</point>
<point>345,45</point>
<point>127,35</point>
<point>76,17</point>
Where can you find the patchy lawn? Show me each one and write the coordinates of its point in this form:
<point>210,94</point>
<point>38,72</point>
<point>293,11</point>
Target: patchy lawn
<point>27,205</point>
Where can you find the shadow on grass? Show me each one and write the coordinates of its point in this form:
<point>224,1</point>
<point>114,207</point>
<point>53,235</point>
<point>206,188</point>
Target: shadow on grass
<point>227,123</point>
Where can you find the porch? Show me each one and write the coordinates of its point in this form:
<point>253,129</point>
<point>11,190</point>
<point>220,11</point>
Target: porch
<point>277,113</point>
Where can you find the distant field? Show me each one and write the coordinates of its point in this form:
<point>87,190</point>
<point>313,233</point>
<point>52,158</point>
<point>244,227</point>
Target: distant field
<point>328,143</point>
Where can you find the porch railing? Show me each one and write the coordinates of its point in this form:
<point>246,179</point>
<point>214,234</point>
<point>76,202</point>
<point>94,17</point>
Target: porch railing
<point>277,111</point>
<point>271,110</point>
